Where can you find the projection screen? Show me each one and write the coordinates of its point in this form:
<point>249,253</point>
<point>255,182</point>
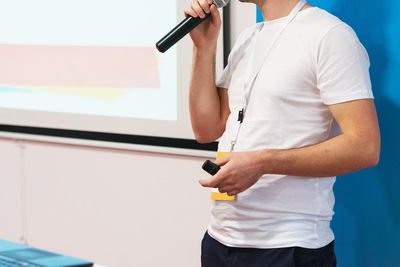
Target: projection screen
<point>87,68</point>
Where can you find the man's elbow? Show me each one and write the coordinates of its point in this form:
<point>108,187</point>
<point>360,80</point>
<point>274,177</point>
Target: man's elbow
<point>374,160</point>
<point>207,135</point>
<point>202,139</point>
<point>372,155</point>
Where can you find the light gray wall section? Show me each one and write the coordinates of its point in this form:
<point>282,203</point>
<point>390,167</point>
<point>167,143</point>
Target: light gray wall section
<point>242,15</point>
<point>118,208</point>
<point>10,191</point>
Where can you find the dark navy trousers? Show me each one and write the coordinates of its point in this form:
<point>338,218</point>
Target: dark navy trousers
<point>215,254</point>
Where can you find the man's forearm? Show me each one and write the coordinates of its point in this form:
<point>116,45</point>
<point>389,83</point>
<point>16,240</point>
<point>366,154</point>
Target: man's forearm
<point>337,156</point>
<point>357,148</point>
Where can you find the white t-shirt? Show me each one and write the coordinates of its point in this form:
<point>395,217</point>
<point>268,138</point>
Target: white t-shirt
<point>317,61</point>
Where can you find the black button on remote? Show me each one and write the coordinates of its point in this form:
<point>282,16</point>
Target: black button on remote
<point>211,167</point>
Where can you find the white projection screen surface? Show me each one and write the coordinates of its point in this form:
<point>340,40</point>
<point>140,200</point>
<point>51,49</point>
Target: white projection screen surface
<point>91,65</point>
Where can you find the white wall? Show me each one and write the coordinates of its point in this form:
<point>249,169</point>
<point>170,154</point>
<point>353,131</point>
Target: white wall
<point>115,207</point>
<point>242,15</point>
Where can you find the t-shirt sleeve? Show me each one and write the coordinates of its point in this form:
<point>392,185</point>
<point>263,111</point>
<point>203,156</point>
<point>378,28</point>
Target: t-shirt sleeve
<point>342,67</point>
<point>225,79</point>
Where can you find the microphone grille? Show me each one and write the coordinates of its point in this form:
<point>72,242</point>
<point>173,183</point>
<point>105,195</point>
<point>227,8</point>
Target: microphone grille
<point>221,3</point>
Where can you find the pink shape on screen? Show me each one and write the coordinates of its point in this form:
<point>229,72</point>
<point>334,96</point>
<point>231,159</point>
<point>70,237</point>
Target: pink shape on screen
<point>79,66</point>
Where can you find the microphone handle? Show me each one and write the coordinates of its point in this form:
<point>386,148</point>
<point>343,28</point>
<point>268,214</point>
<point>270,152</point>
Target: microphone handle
<point>183,28</point>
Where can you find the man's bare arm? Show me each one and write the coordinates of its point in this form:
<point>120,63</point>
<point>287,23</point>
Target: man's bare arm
<point>208,104</point>
<point>356,148</point>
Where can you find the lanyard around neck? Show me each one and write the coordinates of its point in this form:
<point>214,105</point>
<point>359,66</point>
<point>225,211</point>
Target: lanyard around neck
<point>252,75</point>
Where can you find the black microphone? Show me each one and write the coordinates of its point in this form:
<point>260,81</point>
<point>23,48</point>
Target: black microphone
<point>183,28</point>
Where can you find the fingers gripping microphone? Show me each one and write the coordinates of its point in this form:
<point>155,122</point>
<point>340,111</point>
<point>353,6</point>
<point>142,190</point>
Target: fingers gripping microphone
<point>183,28</point>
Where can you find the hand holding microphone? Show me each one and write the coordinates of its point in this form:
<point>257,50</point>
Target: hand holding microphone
<point>203,34</point>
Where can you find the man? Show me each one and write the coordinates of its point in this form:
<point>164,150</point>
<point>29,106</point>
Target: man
<point>310,117</point>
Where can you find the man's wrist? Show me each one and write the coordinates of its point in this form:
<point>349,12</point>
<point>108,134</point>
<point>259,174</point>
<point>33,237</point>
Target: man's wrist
<point>205,49</point>
<point>265,160</point>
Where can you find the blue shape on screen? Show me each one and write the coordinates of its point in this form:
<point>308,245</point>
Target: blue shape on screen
<point>11,89</point>
<point>367,220</point>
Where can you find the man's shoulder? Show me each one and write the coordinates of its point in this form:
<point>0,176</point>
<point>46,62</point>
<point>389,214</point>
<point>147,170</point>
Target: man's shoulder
<point>247,33</point>
<point>318,20</point>
<point>322,22</point>
<point>324,17</point>
<point>244,39</point>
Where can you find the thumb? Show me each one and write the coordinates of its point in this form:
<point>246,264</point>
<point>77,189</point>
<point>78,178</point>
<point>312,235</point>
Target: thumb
<point>216,19</point>
<point>203,182</point>
<point>224,160</point>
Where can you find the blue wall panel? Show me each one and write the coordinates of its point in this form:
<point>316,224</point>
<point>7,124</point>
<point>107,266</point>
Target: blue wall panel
<point>367,220</point>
